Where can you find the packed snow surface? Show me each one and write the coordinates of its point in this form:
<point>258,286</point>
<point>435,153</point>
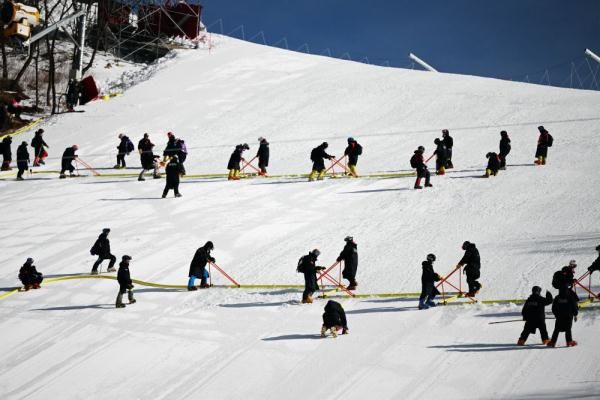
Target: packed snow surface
<point>67,341</point>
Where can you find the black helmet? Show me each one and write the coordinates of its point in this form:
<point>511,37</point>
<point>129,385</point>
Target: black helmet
<point>421,148</point>
<point>536,290</point>
<point>106,230</point>
<point>39,131</point>
<point>315,252</point>
<point>348,239</point>
<point>465,244</point>
<point>598,247</point>
<point>325,145</point>
<point>431,257</point>
<point>29,260</point>
<point>488,155</point>
<point>245,146</point>
<point>503,133</point>
<point>350,139</point>
<point>126,257</point>
<point>436,141</point>
<point>445,132</point>
<point>209,245</point>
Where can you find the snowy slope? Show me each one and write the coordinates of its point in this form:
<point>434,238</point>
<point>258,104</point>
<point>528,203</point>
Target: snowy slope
<point>67,341</point>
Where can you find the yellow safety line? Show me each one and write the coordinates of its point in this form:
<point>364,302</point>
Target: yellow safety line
<point>5,295</point>
<point>22,129</point>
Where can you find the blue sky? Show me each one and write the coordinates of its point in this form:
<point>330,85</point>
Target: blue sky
<point>506,39</point>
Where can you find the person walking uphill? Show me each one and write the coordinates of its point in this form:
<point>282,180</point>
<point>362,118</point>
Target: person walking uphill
<point>334,319</point>
<point>39,147</point>
<point>534,315</point>
<point>353,150</point>
<point>173,170</point>
<point>125,282</point>
<point>448,141</point>
<point>198,266</point>
<point>124,148</point>
<point>472,263</point>
<point>101,248</point>
<point>545,140</point>
<point>306,266</point>
<point>504,149</point>
<point>22,160</point>
<point>417,161</point>
<point>318,156</point>
<point>263,155</point>
<point>234,161</point>
<point>67,161</point>
<point>6,153</point>
<point>29,276</point>
<point>428,279</point>
<point>565,310</point>
<point>349,255</point>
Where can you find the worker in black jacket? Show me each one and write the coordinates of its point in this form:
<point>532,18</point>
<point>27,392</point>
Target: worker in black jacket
<point>472,263</point>
<point>67,160</point>
<point>125,282</point>
<point>504,149</point>
<point>22,160</point>
<point>544,141</point>
<point>449,143</point>
<point>334,319</point>
<point>309,268</point>
<point>173,147</point>
<point>596,264</point>
<point>124,147</point>
<point>534,315</point>
<point>147,158</point>
<point>428,279</point>
<point>173,170</point>
<point>417,161</point>
<point>101,248</point>
<point>318,156</point>
<point>441,154</point>
<point>39,146</point>
<point>565,310</point>
<point>234,161</point>
<point>29,276</point>
<point>493,164</point>
<point>564,280</point>
<point>263,155</point>
<point>349,256</point>
<point>198,266</point>
<point>6,153</point>
<point>353,150</point>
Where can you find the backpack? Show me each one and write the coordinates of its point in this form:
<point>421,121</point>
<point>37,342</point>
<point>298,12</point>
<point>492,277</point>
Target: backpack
<point>557,280</point>
<point>94,250</point>
<point>550,140</point>
<point>413,161</point>
<point>313,155</point>
<point>301,264</point>
<point>358,149</point>
<point>130,146</point>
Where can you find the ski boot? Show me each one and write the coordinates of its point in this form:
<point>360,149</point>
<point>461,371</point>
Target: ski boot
<point>418,187</point>
<point>572,343</point>
<point>521,342</point>
<point>431,303</point>
<point>119,305</point>
<point>132,301</point>
<point>428,185</point>
<point>62,176</point>
<point>545,341</point>
<point>177,194</point>
<point>141,179</point>
<point>94,272</point>
<point>26,287</point>
<point>422,305</point>
<point>111,270</point>
<point>35,286</point>
<point>333,331</point>
<point>192,288</point>
<point>323,331</point>
<point>551,344</point>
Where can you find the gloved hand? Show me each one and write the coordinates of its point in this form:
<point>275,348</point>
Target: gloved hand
<point>130,287</point>
<point>212,259</point>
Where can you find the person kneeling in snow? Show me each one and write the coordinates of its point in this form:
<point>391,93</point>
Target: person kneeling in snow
<point>125,283</point>
<point>493,164</point>
<point>534,315</point>
<point>198,266</point>
<point>428,279</point>
<point>334,319</point>
<point>29,275</point>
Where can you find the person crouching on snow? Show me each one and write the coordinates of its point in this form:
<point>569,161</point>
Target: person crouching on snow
<point>334,319</point>
<point>29,275</point>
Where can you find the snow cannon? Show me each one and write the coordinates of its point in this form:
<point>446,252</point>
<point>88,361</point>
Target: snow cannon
<point>18,19</point>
